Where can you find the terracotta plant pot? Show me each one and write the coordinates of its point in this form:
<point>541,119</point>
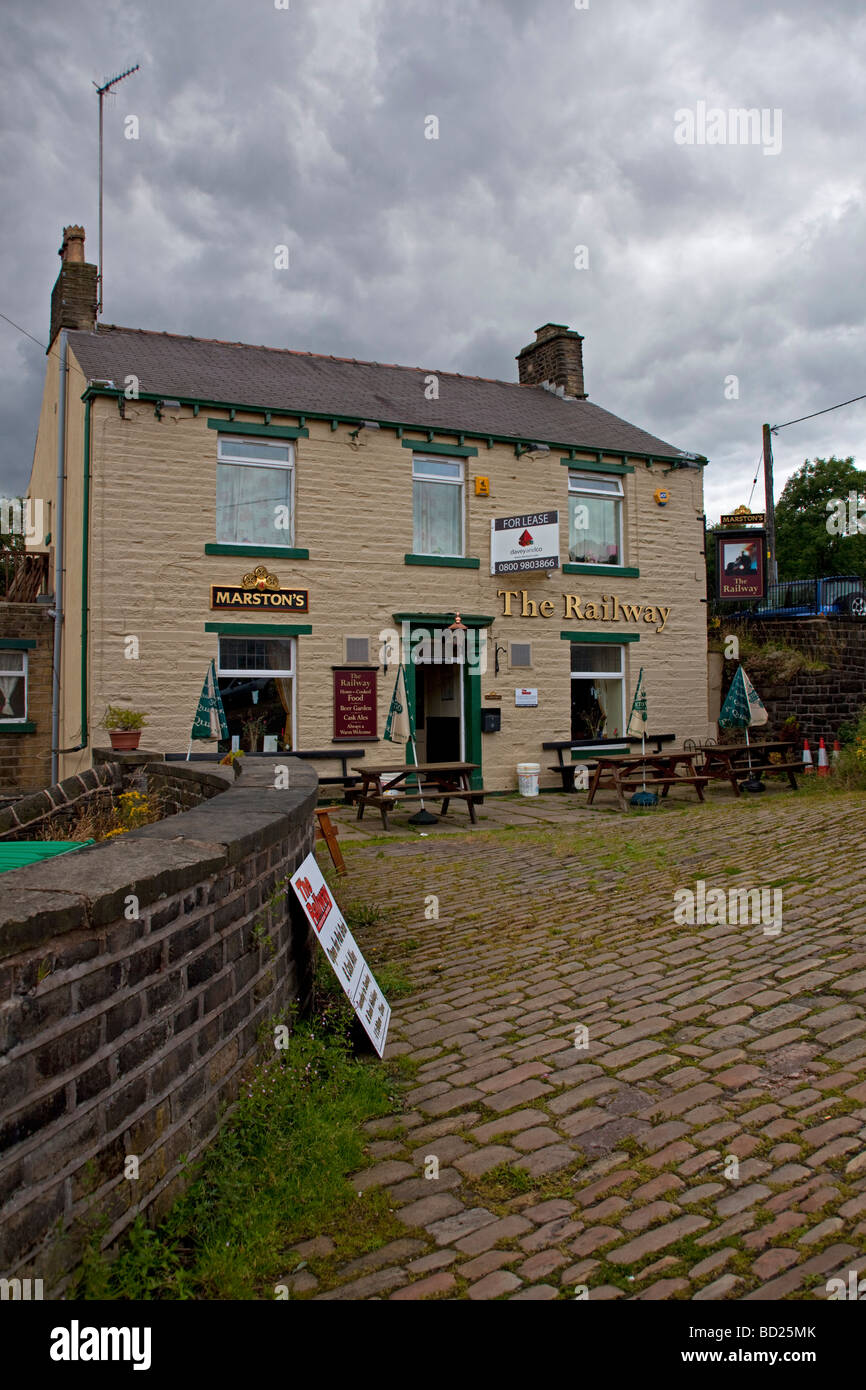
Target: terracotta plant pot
<point>124,740</point>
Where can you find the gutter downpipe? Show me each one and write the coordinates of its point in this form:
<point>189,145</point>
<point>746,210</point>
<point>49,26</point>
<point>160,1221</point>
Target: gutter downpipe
<point>60,521</point>
<point>85,564</point>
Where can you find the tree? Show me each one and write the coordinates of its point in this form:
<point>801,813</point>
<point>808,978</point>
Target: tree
<point>805,548</point>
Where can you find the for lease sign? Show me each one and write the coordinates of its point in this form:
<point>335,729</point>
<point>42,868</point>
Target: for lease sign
<point>526,542</point>
<point>343,951</point>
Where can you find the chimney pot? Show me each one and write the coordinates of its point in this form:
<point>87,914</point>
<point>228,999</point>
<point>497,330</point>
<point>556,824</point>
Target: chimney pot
<point>73,299</point>
<point>556,356</point>
<point>73,245</point>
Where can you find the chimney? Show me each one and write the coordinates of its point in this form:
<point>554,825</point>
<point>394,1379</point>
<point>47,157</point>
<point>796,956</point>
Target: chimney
<point>73,299</point>
<point>555,358</point>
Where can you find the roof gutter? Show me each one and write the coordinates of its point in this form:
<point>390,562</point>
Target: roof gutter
<point>520,443</point>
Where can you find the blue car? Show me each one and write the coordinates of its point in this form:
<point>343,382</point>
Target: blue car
<point>834,596</point>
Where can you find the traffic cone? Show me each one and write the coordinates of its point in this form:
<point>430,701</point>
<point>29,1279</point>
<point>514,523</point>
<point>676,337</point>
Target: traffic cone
<point>823,764</point>
<point>834,756</point>
<point>807,757</point>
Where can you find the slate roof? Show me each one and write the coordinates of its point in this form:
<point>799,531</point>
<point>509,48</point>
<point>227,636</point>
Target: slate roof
<point>294,382</point>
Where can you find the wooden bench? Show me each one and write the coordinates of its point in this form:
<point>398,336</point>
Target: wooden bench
<point>566,769</point>
<point>349,781</point>
<point>427,794</point>
<point>737,768</point>
<point>636,783</point>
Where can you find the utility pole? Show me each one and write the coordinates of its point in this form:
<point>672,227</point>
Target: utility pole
<point>100,91</point>
<point>773,571</point>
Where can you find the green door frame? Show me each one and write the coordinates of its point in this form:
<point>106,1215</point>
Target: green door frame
<point>471,684</point>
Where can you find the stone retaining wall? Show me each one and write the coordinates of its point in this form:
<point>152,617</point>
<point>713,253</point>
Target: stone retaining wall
<point>24,818</point>
<point>136,977</point>
<point>819,701</point>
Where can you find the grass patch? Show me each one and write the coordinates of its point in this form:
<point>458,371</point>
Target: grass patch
<point>275,1175</point>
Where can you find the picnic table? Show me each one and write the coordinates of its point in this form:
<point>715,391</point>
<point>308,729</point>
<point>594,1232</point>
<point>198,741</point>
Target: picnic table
<point>438,782</point>
<point>729,762</point>
<point>628,772</point>
<point>589,748</point>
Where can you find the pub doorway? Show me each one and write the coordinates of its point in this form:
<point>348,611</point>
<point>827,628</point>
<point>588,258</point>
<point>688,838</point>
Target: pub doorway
<point>439,733</point>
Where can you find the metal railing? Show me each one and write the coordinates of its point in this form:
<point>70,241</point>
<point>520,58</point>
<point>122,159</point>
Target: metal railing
<point>833,596</point>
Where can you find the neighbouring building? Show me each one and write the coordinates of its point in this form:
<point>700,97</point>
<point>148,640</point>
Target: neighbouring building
<point>283,512</point>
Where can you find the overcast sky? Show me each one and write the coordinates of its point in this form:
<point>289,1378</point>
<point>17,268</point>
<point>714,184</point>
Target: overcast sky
<point>305,126</point>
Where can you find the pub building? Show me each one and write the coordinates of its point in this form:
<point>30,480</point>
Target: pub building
<point>308,522</point>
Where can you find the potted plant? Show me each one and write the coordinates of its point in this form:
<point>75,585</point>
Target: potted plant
<point>124,727</point>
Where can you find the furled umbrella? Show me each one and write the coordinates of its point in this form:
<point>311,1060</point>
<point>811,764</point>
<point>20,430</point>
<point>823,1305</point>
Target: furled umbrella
<point>210,716</point>
<point>743,709</point>
<point>399,729</point>
<point>637,725</point>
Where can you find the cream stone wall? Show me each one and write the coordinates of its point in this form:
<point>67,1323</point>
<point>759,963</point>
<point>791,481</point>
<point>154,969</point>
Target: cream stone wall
<point>153,511</point>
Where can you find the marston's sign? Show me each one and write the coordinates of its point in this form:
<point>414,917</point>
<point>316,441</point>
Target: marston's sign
<point>259,590</point>
<point>526,542</point>
<point>743,517</point>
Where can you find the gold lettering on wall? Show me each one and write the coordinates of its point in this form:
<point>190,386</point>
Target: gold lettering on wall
<point>609,610</point>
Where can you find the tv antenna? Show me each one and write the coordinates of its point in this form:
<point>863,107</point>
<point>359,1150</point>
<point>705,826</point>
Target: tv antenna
<point>100,92</point>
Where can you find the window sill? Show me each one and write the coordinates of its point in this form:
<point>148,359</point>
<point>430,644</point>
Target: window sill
<point>615,571</point>
<point>268,552</point>
<point>443,561</point>
<point>28,727</point>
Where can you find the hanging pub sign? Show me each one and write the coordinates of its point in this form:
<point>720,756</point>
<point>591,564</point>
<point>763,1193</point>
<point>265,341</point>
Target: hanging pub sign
<point>523,543</point>
<point>354,703</point>
<point>741,568</point>
<point>259,590</point>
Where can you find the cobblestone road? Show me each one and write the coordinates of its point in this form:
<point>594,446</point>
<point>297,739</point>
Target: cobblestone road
<point>708,1140</point>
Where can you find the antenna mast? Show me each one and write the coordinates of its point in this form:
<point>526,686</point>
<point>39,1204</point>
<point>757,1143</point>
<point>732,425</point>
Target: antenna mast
<point>100,91</point>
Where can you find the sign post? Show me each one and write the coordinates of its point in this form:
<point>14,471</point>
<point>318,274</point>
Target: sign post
<point>342,950</point>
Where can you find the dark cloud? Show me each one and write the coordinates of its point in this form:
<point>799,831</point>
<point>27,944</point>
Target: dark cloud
<point>305,127</point>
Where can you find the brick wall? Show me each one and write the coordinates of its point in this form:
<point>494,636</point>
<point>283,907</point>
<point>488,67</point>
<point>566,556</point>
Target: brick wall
<point>24,818</point>
<point>179,786</point>
<point>819,701</point>
<point>125,1034</point>
<point>25,759</point>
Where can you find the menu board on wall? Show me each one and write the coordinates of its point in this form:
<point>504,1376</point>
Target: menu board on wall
<point>354,703</point>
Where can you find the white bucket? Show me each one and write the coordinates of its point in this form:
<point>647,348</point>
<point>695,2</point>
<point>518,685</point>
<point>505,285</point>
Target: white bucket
<point>527,778</point>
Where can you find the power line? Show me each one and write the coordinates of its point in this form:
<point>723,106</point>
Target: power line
<point>24,331</point>
<point>800,418</point>
<point>755,479</point>
<point>51,352</point>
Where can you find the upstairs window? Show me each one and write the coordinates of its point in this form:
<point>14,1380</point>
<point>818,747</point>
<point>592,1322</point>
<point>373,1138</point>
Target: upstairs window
<point>438,506</point>
<point>594,519</point>
<point>254,492</point>
<point>13,687</point>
